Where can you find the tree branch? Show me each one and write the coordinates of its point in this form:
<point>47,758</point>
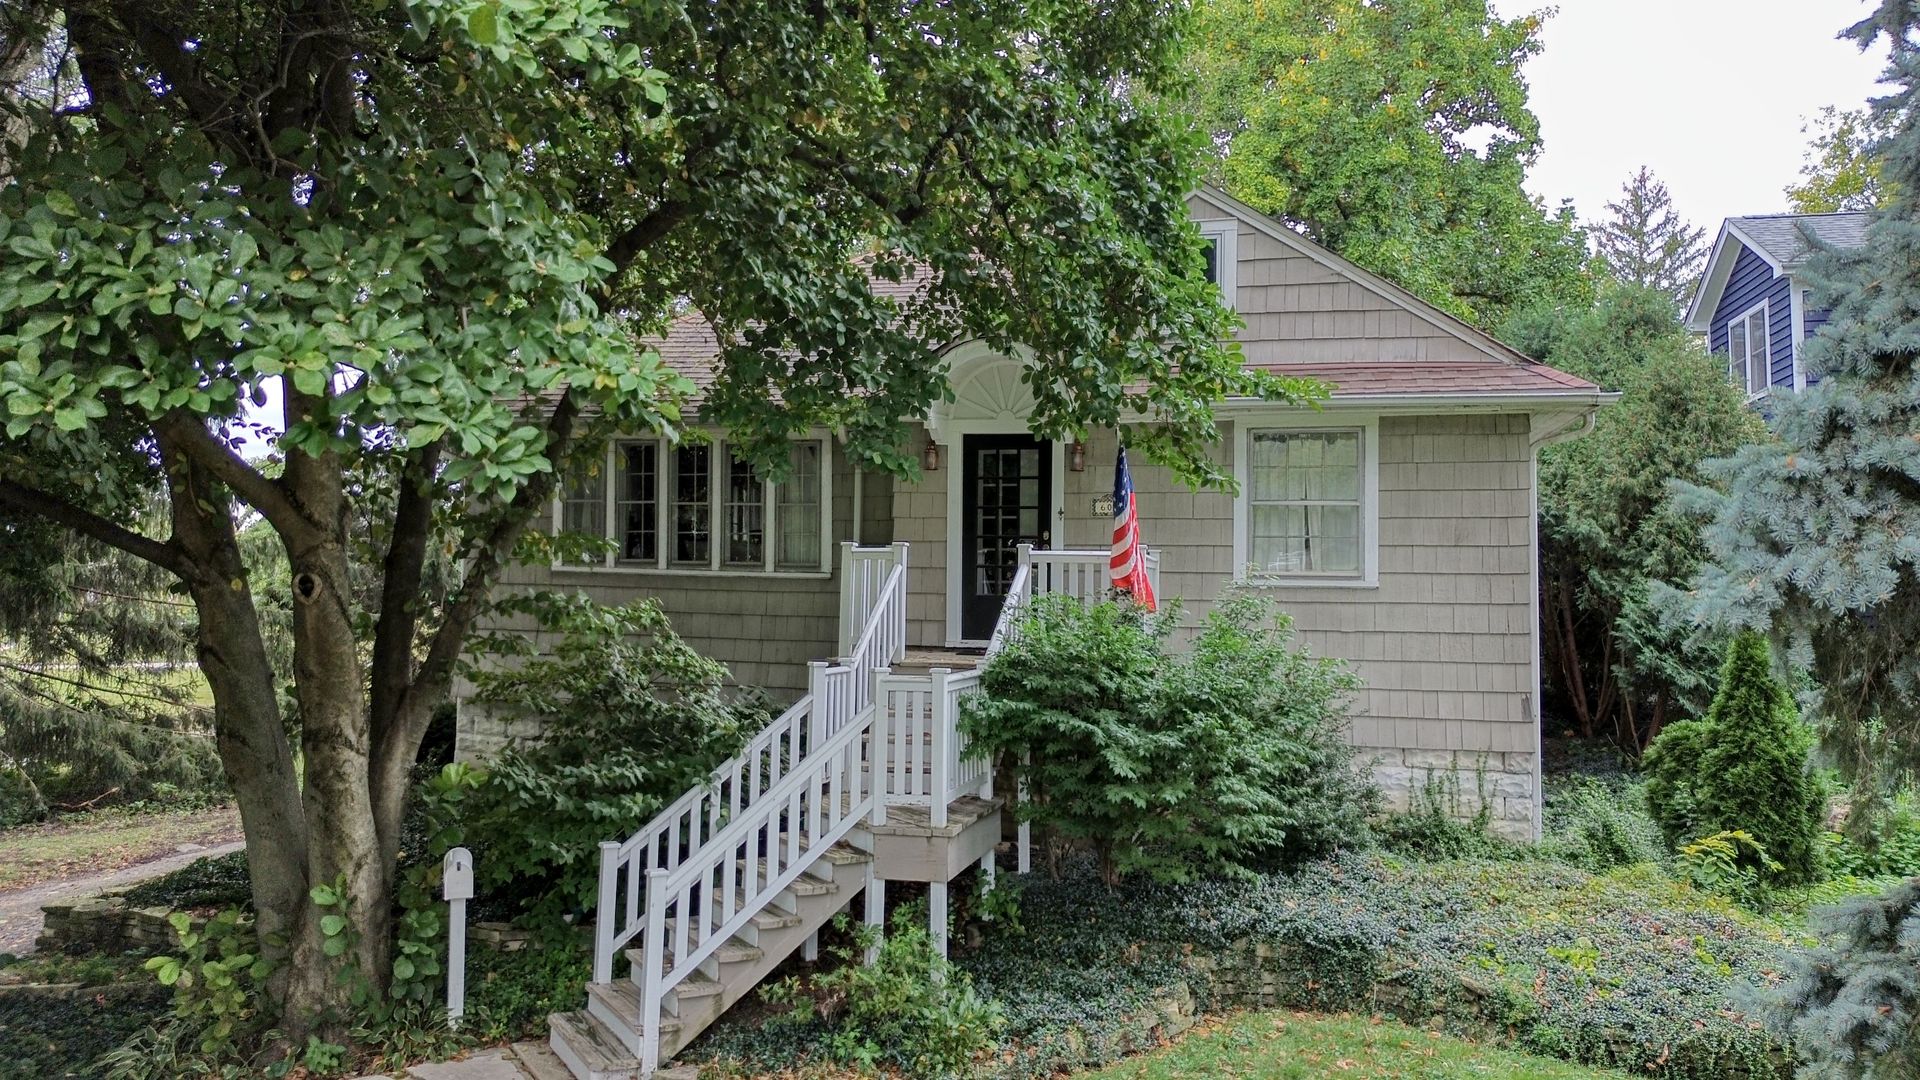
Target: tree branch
<point>164,554</point>
<point>255,488</point>
<point>628,245</point>
<point>401,574</point>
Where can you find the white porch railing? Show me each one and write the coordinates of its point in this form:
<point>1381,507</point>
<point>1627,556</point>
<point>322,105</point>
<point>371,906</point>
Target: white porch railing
<point>714,892</point>
<point>1040,572</point>
<point>865,581</point>
<point>693,823</point>
<point>926,761</point>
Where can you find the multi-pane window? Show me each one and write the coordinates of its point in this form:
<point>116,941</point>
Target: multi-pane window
<point>797,508</point>
<point>637,507</point>
<point>1748,360</point>
<point>676,507</point>
<point>746,515</point>
<point>583,507</point>
<point>692,504</point>
<point>1305,503</point>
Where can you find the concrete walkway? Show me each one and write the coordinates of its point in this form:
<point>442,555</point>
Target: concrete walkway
<point>521,1061</point>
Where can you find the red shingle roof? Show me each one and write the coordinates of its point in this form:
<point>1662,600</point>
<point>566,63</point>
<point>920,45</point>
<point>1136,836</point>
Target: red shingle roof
<point>1413,378</point>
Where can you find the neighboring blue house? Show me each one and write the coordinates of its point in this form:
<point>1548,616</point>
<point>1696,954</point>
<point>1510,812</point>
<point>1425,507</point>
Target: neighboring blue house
<point>1752,306</point>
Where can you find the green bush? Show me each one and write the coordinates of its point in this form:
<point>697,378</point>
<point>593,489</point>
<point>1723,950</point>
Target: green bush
<point>218,882</point>
<point>1597,826</point>
<point>1226,757</point>
<point>1889,848</point>
<point>1436,826</point>
<point>57,1033</point>
<point>20,800</point>
<point>909,1008</point>
<point>632,717</point>
<point>509,994</point>
<point>1743,768</point>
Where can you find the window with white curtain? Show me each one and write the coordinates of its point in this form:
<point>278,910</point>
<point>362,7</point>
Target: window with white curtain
<point>1306,514</point>
<point>674,507</point>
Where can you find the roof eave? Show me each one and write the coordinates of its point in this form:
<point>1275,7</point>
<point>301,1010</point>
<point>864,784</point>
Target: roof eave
<point>1526,400</point>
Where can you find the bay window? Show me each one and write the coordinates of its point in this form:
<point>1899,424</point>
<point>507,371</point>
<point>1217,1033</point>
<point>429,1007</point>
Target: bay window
<point>698,507</point>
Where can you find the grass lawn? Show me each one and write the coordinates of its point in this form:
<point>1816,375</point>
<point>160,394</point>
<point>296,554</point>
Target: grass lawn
<point>105,841</point>
<point>1290,1045</point>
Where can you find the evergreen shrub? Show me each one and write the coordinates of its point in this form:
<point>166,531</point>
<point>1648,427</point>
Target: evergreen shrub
<point>1743,768</point>
<point>1222,758</point>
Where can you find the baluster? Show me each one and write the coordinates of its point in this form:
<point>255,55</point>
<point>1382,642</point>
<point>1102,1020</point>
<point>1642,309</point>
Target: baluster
<point>633,893</point>
<point>683,909</point>
<point>937,721</point>
<point>730,882</point>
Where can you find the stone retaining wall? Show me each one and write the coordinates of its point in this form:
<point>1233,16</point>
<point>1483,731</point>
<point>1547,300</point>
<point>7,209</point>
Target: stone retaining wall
<point>1462,780</point>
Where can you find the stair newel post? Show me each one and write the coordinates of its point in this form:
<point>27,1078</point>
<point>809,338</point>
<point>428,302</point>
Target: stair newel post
<point>940,719</point>
<point>605,912</point>
<point>880,743</point>
<point>655,957</point>
<point>846,631</point>
<point>817,714</point>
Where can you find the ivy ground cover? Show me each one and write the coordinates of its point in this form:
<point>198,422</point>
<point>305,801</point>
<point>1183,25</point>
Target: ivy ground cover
<point>1628,970</point>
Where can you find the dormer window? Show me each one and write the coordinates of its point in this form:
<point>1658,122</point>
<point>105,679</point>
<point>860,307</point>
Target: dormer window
<point>1220,238</point>
<point>1748,360</point>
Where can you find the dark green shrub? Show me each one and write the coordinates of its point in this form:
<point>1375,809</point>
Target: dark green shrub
<point>1852,1003</point>
<point>632,717</point>
<point>1743,768</point>
<point>58,1033</point>
<point>1889,847</point>
<point>509,994</point>
<point>909,1008</point>
<point>1226,757</point>
<point>20,800</point>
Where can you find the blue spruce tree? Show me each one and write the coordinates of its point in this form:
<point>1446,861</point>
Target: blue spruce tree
<point>1816,536</point>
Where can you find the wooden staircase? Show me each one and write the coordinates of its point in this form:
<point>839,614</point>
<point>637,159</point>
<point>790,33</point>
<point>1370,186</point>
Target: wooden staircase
<point>595,1043</point>
<point>867,778</point>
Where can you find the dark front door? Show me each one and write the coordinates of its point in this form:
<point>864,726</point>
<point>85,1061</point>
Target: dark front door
<point>1006,499</point>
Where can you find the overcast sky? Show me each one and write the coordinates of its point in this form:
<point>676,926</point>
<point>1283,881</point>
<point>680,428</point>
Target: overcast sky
<point>1709,94</point>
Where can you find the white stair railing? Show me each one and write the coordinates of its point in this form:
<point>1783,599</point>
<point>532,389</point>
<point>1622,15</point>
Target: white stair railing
<point>713,893</point>
<point>873,584</point>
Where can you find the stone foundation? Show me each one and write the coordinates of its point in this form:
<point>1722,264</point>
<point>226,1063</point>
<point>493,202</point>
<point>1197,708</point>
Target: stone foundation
<point>1461,781</point>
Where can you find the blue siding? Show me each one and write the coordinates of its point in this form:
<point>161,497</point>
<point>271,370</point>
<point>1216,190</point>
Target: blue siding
<point>1752,281</point>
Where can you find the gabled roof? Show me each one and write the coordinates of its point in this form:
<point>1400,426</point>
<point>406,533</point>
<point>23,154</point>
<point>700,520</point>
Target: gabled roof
<point>1779,239</point>
<point>689,344</point>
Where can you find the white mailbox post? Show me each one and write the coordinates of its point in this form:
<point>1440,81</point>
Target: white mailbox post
<point>456,887</point>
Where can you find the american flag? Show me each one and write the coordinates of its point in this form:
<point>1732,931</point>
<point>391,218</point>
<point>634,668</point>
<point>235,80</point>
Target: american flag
<point>1128,566</point>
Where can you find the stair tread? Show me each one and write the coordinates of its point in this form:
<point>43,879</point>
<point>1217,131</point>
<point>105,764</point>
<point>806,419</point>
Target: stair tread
<point>840,854</point>
<point>734,951</point>
<point>623,997</point>
<point>804,885</point>
<point>576,1030</point>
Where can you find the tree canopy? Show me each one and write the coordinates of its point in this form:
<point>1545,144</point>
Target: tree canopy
<point>374,269</point>
<point>1396,133</point>
<point>1816,536</point>
<point>1842,168</point>
<point>1644,242</point>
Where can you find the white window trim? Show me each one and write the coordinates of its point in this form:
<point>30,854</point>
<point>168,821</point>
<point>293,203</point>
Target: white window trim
<point>1745,381</point>
<point>1369,428</point>
<point>1225,235</point>
<point>716,509</point>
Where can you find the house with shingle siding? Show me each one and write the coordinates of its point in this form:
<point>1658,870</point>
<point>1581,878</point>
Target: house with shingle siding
<point>1395,523</point>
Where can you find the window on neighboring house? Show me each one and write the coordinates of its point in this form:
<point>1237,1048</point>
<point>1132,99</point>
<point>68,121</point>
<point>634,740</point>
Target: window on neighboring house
<point>1221,238</point>
<point>1748,360</point>
<point>1306,494</point>
<point>669,510</point>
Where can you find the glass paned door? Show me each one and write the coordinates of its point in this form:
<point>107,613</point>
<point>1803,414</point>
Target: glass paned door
<point>1006,500</point>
